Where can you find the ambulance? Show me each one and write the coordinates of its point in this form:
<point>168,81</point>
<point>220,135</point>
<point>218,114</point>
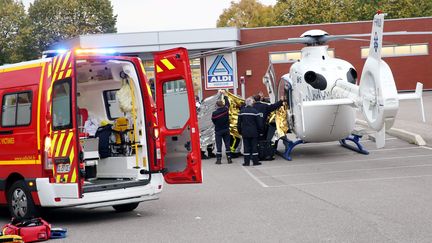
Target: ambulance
<point>84,128</point>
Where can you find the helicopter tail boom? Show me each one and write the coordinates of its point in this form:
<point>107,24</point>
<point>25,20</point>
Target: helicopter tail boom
<point>379,99</point>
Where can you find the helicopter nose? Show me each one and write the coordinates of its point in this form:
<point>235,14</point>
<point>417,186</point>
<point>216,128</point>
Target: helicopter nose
<point>316,80</point>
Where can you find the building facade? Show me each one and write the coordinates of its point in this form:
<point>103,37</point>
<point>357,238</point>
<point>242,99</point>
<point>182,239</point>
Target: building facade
<point>408,56</point>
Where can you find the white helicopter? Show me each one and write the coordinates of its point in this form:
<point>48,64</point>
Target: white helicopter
<point>323,95</point>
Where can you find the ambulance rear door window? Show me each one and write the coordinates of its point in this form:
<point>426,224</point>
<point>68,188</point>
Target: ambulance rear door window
<point>112,106</point>
<point>16,109</point>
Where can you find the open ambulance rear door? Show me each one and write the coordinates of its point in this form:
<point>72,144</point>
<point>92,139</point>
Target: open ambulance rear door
<point>62,105</point>
<point>176,113</point>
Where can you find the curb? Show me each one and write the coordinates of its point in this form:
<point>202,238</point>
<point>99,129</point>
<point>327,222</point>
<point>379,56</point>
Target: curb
<point>408,137</point>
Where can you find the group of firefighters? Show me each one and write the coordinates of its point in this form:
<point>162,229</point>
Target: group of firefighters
<point>252,126</point>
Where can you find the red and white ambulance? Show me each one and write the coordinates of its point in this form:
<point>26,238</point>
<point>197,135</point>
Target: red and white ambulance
<point>66,139</point>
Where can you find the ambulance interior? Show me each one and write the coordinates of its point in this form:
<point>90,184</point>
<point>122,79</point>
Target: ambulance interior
<point>111,124</point>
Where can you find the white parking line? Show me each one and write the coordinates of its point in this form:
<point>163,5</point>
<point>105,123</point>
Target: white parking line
<point>368,140</point>
<point>342,171</point>
<point>346,161</point>
<point>254,177</point>
<point>260,182</point>
<point>375,150</point>
<point>308,145</point>
<point>391,149</point>
<point>354,180</point>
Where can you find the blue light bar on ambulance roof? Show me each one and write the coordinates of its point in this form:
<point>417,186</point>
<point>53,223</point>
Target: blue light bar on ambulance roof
<point>60,51</point>
<point>95,51</point>
<point>53,53</point>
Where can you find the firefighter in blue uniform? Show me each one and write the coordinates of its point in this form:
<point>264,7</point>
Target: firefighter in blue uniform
<point>249,125</point>
<point>220,119</point>
<point>265,108</point>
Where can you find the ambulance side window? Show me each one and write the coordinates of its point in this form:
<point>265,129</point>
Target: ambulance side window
<point>112,106</point>
<point>16,109</point>
<point>62,105</point>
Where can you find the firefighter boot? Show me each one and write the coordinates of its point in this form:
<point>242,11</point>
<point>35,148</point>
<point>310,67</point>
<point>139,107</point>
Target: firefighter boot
<point>255,160</point>
<point>210,152</point>
<point>246,160</point>
<point>203,155</point>
<point>228,155</point>
<point>218,159</point>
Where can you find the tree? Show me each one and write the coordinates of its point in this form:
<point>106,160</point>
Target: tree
<point>288,12</point>
<point>291,12</point>
<point>16,42</point>
<point>57,20</point>
<point>250,13</point>
<point>394,8</point>
<point>246,13</point>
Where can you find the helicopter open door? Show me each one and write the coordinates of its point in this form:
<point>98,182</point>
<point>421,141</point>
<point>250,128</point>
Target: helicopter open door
<point>176,113</point>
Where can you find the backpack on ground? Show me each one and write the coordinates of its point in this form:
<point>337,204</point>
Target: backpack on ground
<point>266,150</point>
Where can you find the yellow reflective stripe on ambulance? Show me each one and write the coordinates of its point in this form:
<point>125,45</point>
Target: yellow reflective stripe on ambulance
<point>167,64</point>
<point>20,162</point>
<point>33,65</point>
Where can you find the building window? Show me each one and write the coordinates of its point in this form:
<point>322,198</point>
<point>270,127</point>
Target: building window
<point>291,56</point>
<point>399,50</point>
<point>16,109</point>
<point>195,71</point>
<point>149,68</point>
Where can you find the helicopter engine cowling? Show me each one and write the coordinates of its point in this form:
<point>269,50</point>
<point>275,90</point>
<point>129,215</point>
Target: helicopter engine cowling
<point>316,80</point>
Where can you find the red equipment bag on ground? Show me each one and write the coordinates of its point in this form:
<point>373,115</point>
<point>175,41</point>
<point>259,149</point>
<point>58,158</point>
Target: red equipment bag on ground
<point>30,230</point>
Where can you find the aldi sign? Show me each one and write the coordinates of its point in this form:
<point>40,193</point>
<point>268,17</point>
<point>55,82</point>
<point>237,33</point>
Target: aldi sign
<point>219,70</point>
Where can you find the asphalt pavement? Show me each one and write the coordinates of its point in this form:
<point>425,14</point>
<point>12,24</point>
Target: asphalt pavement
<point>325,194</point>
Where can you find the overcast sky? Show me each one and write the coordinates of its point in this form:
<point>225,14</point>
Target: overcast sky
<point>153,15</point>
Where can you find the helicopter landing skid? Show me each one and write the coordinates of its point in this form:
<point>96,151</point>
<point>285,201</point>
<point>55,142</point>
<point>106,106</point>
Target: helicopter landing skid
<point>289,146</point>
<point>355,139</point>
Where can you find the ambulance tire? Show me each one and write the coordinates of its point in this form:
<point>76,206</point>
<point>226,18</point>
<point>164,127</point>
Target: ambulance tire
<point>125,207</point>
<point>20,201</point>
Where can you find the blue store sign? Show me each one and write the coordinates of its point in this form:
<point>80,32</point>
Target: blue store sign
<point>220,73</point>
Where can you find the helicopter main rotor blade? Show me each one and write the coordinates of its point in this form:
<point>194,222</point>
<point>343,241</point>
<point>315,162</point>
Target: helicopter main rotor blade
<point>301,40</point>
<point>327,38</point>
<point>308,40</point>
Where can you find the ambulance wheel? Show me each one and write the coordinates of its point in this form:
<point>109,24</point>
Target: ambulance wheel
<point>125,207</point>
<point>20,201</point>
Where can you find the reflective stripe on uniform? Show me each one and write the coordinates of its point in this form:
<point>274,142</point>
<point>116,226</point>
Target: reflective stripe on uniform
<point>251,114</point>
